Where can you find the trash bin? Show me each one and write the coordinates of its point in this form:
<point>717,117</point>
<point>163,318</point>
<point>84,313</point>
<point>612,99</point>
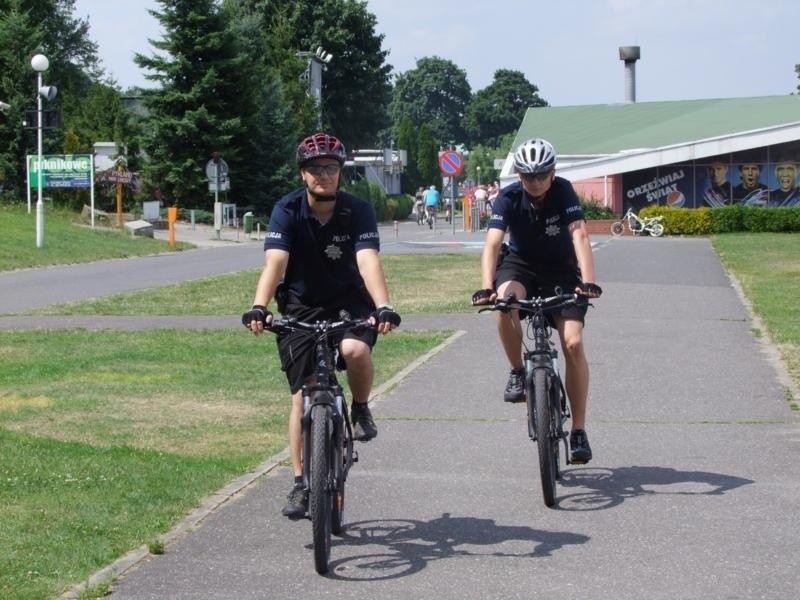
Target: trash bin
<point>248,222</point>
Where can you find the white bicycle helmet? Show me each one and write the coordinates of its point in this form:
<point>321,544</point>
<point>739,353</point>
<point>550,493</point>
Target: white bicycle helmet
<point>535,156</point>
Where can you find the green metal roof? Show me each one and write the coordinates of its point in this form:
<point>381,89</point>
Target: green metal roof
<point>603,129</point>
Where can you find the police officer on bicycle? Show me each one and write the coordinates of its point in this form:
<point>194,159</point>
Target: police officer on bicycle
<point>321,258</point>
<point>548,248</point>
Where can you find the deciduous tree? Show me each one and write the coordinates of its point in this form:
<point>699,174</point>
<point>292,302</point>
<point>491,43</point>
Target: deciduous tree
<point>499,108</point>
<point>435,94</point>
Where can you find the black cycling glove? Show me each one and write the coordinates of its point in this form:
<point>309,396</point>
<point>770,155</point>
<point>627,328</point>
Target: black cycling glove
<point>386,314</point>
<point>480,295</point>
<point>592,289</point>
<point>257,313</point>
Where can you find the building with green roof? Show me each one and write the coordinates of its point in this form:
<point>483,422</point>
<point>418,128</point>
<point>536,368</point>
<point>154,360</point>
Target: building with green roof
<point>634,154</point>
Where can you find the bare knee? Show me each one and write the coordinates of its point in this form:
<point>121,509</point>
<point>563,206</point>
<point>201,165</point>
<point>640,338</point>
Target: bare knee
<point>354,351</point>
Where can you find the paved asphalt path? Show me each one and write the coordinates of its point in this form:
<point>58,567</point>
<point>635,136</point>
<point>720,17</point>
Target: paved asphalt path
<point>692,493</point>
<point>29,289</point>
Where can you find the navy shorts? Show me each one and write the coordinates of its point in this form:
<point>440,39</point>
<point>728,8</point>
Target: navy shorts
<point>297,349</point>
<point>541,280</point>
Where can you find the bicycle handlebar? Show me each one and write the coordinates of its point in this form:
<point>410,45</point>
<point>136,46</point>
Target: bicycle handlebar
<point>538,302</point>
<point>324,327</point>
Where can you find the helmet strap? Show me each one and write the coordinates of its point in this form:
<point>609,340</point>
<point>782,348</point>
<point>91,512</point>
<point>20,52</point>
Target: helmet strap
<point>320,197</point>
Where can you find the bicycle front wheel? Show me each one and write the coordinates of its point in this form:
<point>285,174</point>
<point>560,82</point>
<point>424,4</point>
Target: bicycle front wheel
<point>341,457</point>
<point>546,440</point>
<point>320,496</point>
<point>657,229</point>
<point>617,228</point>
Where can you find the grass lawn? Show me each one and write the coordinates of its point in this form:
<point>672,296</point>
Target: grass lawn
<point>767,266</point>
<point>66,239</point>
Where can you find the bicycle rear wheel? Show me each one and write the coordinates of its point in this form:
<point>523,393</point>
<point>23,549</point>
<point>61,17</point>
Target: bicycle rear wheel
<point>617,228</point>
<point>320,496</point>
<point>657,230</point>
<point>546,441</point>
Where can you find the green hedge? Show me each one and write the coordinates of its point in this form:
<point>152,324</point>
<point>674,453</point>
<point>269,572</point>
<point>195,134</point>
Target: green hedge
<point>386,208</point>
<point>726,219</point>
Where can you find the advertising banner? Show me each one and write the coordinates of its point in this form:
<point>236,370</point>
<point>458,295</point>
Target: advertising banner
<point>759,177</point>
<point>668,186</point>
<point>61,171</point>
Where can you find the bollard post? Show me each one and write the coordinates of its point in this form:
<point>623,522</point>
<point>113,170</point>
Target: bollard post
<point>396,231</point>
<point>172,216</point>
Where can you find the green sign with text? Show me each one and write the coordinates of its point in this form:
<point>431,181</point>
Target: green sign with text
<point>61,171</point>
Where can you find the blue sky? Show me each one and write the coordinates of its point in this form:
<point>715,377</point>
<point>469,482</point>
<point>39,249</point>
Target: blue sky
<point>568,48</point>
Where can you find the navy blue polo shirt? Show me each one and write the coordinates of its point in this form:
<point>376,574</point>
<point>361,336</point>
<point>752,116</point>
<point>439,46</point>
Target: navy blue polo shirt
<point>540,237</point>
<point>322,258</point>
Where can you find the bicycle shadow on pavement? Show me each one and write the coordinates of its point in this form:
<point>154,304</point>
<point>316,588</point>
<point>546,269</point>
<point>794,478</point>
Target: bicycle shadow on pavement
<point>607,488</point>
<point>404,547</point>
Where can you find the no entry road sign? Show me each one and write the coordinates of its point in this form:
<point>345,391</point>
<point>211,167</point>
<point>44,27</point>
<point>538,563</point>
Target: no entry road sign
<point>451,163</point>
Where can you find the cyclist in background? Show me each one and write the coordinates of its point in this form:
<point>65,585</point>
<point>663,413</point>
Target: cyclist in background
<point>431,202</point>
<point>548,248</point>
<point>419,205</point>
<point>322,257</point>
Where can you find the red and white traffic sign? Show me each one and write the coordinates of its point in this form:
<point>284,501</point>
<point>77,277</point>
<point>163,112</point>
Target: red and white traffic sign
<point>451,163</point>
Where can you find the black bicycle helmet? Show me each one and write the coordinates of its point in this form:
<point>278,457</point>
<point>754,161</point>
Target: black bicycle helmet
<point>535,156</point>
<point>320,145</point>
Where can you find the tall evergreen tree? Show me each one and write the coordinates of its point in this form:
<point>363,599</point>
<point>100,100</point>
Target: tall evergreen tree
<point>205,85</point>
<point>268,152</point>
<point>356,86</point>
<point>428,158</point>
<point>407,140</point>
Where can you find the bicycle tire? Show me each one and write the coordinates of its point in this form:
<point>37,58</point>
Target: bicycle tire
<point>657,230</point>
<point>341,456</point>
<point>617,228</point>
<point>546,442</point>
<point>320,496</point>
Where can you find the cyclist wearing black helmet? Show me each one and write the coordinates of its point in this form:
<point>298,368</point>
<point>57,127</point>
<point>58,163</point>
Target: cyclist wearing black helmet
<point>548,248</point>
<point>321,258</point>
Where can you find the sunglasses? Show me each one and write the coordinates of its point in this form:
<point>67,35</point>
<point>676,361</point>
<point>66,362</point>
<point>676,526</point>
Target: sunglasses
<point>536,176</point>
<point>320,169</point>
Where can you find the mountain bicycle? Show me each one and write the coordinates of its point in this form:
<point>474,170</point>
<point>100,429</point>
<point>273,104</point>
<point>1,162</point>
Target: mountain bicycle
<point>639,225</point>
<point>327,447</point>
<point>545,395</point>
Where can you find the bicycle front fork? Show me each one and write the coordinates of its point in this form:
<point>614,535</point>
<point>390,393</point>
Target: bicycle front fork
<point>558,395</point>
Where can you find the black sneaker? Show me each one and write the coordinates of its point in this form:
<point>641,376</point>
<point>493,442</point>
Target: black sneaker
<point>363,426</point>
<point>297,505</point>
<point>515,388</point>
<point>579,444</point>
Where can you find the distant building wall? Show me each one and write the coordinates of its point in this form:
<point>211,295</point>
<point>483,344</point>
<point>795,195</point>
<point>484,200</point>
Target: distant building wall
<point>603,191</point>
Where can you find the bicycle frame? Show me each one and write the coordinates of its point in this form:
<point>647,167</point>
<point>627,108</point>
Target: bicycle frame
<point>328,450</point>
<point>544,389</point>
<point>326,391</point>
<point>543,355</point>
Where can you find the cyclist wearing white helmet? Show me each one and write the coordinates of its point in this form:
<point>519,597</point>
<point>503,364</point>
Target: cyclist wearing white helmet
<point>548,248</point>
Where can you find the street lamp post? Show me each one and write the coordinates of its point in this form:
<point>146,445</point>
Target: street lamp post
<point>313,76</point>
<point>478,169</point>
<point>40,64</point>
